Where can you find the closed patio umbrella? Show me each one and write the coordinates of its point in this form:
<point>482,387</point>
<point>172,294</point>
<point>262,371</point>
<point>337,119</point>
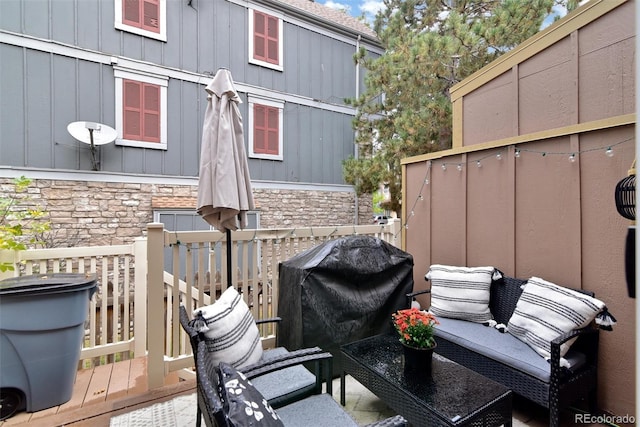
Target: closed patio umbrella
<point>224,186</point>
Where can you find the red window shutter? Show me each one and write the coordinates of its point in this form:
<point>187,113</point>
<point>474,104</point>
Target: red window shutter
<point>259,125</point>
<point>151,14</point>
<point>141,109</point>
<point>272,40</point>
<point>143,14</point>
<point>272,130</point>
<point>259,36</point>
<point>151,117</point>
<point>132,109</point>
<point>131,12</point>
<point>265,38</point>
<point>266,130</point>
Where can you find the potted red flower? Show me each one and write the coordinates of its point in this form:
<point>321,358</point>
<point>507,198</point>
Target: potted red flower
<point>416,329</point>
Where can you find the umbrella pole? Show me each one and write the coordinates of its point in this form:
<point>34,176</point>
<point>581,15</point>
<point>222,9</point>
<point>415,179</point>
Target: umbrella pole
<point>229,275</point>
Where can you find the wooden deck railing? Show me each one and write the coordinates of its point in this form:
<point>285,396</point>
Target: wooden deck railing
<point>135,309</point>
<point>117,312</point>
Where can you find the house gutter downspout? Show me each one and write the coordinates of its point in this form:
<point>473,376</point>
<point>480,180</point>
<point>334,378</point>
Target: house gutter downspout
<point>356,150</point>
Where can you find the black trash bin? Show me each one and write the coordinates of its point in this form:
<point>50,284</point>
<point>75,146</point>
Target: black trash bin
<point>341,291</point>
<point>41,331</point>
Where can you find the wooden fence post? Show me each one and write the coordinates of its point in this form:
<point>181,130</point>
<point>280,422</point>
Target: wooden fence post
<point>155,305</point>
<point>140,297</point>
<point>9,257</point>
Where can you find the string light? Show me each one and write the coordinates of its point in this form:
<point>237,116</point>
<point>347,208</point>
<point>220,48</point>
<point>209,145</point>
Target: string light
<point>420,197</point>
<point>517,153</point>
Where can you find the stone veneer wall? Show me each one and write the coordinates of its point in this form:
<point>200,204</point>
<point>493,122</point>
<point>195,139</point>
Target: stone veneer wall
<point>84,213</point>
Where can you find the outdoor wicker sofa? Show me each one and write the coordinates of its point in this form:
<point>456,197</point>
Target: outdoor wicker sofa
<point>509,361</point>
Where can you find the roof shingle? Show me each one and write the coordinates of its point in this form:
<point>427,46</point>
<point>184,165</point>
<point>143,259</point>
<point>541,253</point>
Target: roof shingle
<point>336,16</point>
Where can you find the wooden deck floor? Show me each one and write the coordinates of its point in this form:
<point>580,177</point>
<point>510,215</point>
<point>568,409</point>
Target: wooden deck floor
<point>103,392</point>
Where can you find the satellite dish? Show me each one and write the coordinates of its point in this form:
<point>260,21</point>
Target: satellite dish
<point>93,134</point>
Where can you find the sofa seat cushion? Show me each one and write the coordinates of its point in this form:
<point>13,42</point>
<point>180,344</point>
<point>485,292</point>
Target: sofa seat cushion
<point>501,347</point>
<point>284,385</point>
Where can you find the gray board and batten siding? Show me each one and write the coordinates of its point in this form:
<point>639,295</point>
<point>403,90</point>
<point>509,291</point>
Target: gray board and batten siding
<point>59,60</point>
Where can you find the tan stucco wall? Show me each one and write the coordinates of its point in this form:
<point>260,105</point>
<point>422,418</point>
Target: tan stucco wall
<point>568,90</point>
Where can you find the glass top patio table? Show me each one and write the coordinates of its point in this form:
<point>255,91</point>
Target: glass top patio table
<point>451,395</point>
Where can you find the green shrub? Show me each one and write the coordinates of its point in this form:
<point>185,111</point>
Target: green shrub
<point>21,221</point>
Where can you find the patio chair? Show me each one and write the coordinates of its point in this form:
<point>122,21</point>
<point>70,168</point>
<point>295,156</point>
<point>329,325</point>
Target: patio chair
<point>280,387</point>
<point>228,397</point>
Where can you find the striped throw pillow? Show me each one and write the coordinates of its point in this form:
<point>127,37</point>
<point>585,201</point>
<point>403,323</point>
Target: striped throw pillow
<point>231,331</point>
<point>461,292</point>
<point>545,311</point>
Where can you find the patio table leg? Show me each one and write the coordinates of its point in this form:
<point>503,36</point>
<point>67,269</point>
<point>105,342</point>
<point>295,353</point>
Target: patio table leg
<point>342,388</point>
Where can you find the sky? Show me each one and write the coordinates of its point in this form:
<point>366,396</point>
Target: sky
<point>370,7</point>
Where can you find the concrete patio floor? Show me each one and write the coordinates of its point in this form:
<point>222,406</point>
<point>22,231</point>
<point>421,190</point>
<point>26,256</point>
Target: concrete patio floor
<point>361,404</point>
<point>366,408</point>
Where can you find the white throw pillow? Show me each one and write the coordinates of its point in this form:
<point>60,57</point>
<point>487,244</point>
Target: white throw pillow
<point>462,292</point>
<point>231,331</point>
<point>545,311</point>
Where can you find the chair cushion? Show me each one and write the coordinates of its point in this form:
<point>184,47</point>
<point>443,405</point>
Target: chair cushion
<point>319,410</point>
<point>243,404</point>
<point>284,385</point>
<point>501,347</point>
<point>231,332</point>
<point>461,292</point>
<point>545,311</point>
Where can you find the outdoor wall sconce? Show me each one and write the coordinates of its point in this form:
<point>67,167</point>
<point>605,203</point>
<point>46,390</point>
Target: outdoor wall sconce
<point>625,197</point>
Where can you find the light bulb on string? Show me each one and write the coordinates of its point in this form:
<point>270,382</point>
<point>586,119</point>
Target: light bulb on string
<point>459,166</point>
<point>421,197</point>
<point>517,153</point>
<point>444,166</point>
<point>499,156</point>
<point>478,164</point>
<point>609,152</point>
<point>572,158</point>
<point>426,181</point>
<point>413,213</point>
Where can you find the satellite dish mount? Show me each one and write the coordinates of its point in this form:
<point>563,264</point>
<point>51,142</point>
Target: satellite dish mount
<point>93,134</point>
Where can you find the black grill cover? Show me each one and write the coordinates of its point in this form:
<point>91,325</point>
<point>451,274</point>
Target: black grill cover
<point>341,291</point>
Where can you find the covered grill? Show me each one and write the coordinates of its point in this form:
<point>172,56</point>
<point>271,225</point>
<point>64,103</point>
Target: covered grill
<point>341,291</point>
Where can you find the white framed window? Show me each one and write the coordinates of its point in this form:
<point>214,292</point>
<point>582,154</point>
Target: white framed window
<point>265,128</point>
<point>265,39</point>
<point>141,109</point>
<point>147,18</point>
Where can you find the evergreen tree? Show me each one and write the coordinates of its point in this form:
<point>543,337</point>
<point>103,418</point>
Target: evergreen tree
<point>429,46</point>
